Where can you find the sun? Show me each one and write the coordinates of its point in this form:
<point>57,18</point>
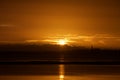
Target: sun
<point>59,41</point>
<point>62,42</point>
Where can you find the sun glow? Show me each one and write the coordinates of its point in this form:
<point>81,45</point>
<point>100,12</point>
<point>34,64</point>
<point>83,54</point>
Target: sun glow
<point>62,42</point>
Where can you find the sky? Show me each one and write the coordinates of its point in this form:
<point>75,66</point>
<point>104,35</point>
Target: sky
<point>98,20</point>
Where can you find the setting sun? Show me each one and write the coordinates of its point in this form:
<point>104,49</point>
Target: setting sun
<point>62,42</point>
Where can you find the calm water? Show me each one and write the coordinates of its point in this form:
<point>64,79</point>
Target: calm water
<point>59,72</point>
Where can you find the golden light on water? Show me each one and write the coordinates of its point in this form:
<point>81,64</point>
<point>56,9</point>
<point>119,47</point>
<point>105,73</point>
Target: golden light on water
<point>61,72</point>
<point>61,77</point>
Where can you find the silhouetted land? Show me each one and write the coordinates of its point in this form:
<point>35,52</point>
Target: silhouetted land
<point>55,53</point>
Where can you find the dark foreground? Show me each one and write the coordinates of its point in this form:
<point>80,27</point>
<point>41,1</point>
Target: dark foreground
<point>54,53</point>
<point>51,62</point>
<point>53,72</point>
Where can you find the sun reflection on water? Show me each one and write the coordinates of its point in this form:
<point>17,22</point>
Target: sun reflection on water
<point>61,72</point>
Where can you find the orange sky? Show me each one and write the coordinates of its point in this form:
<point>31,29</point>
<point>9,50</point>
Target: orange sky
<point>34,20</point>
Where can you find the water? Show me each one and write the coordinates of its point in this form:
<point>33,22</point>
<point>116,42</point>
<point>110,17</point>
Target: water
<point>18,65</point>
<point>59,72</point>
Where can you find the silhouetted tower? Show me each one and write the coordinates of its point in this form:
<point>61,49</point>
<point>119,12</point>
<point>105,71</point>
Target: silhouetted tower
<point>92,47</point>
